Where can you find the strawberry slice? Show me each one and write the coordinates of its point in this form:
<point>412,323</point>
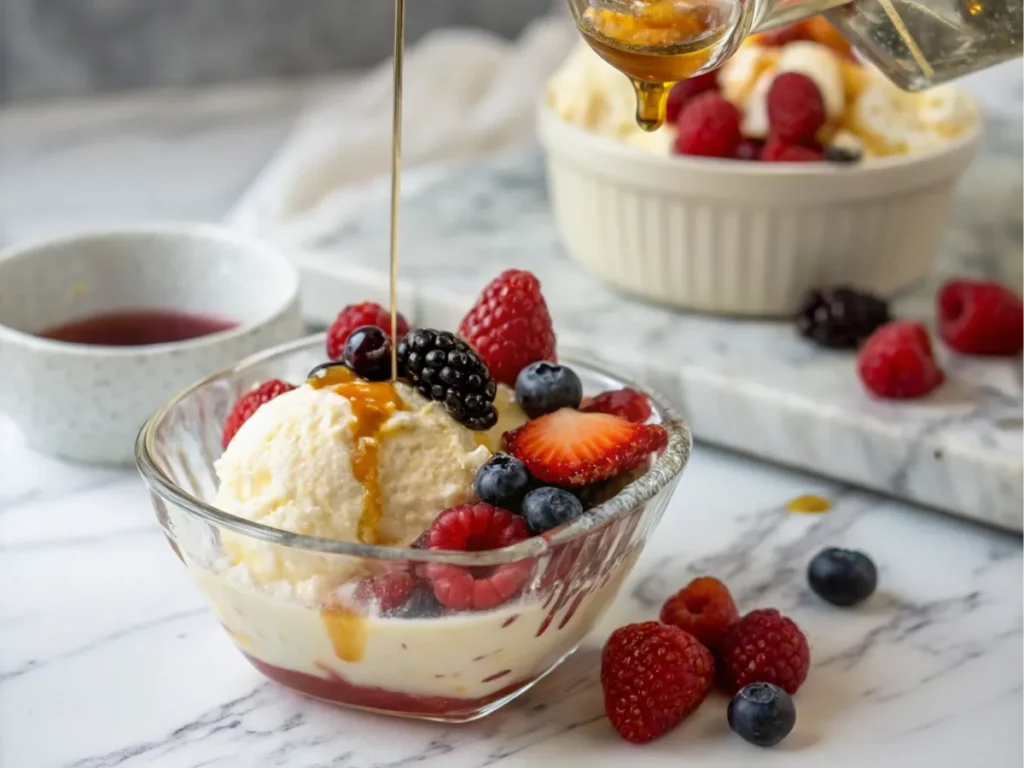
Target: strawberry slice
<point>569,447</point>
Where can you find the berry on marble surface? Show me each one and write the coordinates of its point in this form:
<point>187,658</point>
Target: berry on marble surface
<point>653,677</point>
<point>841,317</point>
<point>704,608</point>
<point>842,577</point>
<point>980,317</point>
<point>763,647</point>
<point>762,714</point>
<point>897,362</point>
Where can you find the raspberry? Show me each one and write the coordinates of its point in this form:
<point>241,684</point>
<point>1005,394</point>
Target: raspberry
<point>248,404</point>
<point>708,126</point>
<point>653,676</point>
<point>897,361</point>
<point>355,316</point>
<point>510,326</point>
<point>704,608</point>
<point>796,109</point>
<point>389,590</point>
<point>625,403</point>
<point>778,150</point>
<point>474,528</point>
<point>980,318</point>
<point>683,91</point>
<point>763,647</point>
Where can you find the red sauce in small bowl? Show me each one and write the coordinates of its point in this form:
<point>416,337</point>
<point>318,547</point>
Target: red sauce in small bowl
<point>137,327</point>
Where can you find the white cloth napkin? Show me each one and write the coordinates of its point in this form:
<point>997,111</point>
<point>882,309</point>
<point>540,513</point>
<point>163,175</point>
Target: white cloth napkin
<point>467,94</point>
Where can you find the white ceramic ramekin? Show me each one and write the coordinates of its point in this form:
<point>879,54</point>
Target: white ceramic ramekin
<point>743,238</point>
<point>88,402</point>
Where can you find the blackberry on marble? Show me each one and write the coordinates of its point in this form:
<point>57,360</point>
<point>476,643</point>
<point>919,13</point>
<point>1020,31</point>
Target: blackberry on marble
<point>445,369</point>
<point>841,318</point>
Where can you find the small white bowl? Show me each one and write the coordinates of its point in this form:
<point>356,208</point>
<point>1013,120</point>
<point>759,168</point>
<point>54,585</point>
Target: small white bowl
<point>87,402</point>
<point>745,238</point>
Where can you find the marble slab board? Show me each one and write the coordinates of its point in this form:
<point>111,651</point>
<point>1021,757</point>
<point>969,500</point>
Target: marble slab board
<point>752,386</point>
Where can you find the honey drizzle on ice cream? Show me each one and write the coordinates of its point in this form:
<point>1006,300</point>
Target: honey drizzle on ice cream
<point>373,403</point>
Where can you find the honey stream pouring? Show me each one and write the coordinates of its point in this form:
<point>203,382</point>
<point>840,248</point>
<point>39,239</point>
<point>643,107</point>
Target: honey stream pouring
<point>915,43</point>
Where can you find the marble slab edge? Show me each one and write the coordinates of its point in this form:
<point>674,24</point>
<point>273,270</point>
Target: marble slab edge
<point>741,416</point>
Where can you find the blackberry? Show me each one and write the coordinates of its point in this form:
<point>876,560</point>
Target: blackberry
<point>841,318</point>
<point>445,368</point>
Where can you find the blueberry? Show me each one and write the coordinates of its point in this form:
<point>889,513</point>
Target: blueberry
<point>762,713</point>
<point>836,154</point>
<point>547,508</point>
<point>842,577</point>
<point>367,352</point>
<point>545,387</point>
<point>421,604</point>
<point>503,481</point>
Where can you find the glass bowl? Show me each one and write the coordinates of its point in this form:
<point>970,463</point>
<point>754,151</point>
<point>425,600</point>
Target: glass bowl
<point>356,645</point>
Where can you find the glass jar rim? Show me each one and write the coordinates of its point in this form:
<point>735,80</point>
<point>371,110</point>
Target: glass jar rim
<point>664,470</point>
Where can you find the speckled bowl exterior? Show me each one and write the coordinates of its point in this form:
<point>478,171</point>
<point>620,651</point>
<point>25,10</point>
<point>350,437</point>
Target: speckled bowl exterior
<point>86,402</point>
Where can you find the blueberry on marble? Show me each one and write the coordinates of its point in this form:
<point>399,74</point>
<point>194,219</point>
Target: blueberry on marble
<point>503,481</point>
<point>545,387</point>
<point>762,714</point>
<point>842,577</point>
<point>546,508</point>
<point>367,352</point>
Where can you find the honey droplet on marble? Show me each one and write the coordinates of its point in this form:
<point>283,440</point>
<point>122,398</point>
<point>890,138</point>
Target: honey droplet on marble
<point>809,505</point>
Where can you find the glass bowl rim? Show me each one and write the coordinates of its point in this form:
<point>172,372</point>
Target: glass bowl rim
<point>665,469</point>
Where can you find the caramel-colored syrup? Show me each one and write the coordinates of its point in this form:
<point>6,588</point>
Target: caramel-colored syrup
<point>809,505</point>
<point>372,404</point>
<point>347,632</point>
<point>656,45</point>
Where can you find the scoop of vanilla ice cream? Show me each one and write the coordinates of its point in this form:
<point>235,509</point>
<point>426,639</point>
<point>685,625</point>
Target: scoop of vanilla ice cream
<point>290,467</point>
<point>743,70</point>
<point>893,121</point>
<point>589,92</point>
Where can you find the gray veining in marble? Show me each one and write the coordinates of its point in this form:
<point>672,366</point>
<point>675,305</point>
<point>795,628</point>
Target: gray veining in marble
<point>54,48</point>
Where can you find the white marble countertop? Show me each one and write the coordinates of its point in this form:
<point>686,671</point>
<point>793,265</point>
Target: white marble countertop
<point>107,656</point>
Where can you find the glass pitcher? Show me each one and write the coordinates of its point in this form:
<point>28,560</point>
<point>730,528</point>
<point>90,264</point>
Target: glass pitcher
<point>915,43</point>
